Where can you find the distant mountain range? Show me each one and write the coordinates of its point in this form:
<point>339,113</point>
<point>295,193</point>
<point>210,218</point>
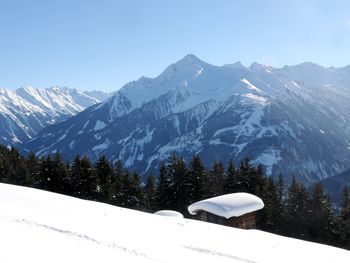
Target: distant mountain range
<point>25,111</point>
<point>294,120</point>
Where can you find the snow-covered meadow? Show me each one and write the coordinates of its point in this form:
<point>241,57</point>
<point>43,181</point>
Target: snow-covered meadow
<point>38,226</point>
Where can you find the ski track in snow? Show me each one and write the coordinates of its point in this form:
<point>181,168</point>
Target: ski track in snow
<point>217,253</point>
<point>77,235</point>
<point>84,237</point>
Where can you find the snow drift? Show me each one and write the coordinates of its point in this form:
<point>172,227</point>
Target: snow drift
<point>38,226</point>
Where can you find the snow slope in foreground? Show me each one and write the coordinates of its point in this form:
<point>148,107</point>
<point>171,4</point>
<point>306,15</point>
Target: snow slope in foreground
<point>38,226</point>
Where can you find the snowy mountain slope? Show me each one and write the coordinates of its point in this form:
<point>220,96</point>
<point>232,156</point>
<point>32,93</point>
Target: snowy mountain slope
<point>24,112</point>
<point>39,226</point>
<point>98,94</point>
<point>57,100</point>
<point>287,119</point>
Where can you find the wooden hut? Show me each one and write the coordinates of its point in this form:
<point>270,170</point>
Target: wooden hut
<point>235,210</point>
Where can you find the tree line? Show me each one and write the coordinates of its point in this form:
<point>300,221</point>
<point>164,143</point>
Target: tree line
<point>290,210</point>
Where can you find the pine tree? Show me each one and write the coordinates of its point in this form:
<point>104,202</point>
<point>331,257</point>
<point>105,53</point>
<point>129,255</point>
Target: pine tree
<point>3,171</point>
<point>302,209</point>
<point>344,220</point>
<point>230,185</point>
<point>345,204</point>
<point>104,172</point>
<point>126,188</point>
<point>267,218</point>
<point>76,177</point>
<point>17,170</point>
<point>216,179</point>
<point>90,189</point>
<point>178,185</point>
<point>84,179</point>
<point>163,193</point>
<point>60,181</point>
<point>280,190</point>
<point>150,194</point>
<point>321,218</point>
<point>21,171</point>
<point>117,182</point>
<point>243,177</point>
<point>257,179</point>
<point>135,192</point>
<point>296,209</point>
<point>197,178</point>
<point>280,205</point>
<point>33,166</point>
<point>45,174</point>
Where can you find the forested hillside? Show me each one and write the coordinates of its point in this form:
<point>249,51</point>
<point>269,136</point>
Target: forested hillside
<point>289,209</point>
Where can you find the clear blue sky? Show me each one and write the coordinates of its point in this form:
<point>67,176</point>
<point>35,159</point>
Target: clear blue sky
<point>103,44</point>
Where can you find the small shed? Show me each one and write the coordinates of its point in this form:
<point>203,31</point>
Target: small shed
<point>235,210</point>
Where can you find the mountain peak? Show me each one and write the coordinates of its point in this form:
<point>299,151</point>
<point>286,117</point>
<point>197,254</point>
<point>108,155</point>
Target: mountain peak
<point>60,88</point>
<point>27,88</point>
<point>309,64</point>
<point>188,60</point>
<point>306,65</point>
<point>237,64</point>
<point>3,91</point>
<point>55,88</point>
<point>188,66</point>
<point>260,67</point>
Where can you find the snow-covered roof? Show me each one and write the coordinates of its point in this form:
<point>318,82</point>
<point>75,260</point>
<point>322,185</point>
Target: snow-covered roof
<point>170,213</point>
<point>229,205</point>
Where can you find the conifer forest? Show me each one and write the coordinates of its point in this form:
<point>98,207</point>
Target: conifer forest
<point>290,209</point>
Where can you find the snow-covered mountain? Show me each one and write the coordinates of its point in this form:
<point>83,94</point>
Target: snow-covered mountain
<point>294,120</point>
<point>38,226</point>
<point>98,94</point>
<point>25,111</point>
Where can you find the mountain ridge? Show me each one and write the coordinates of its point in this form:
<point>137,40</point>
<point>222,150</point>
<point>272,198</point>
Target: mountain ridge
<point>25,111</point>
<point>285,118</point>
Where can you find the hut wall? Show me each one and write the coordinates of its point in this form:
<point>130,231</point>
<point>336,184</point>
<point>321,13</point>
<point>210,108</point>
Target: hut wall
<point>247,221</point>
<point>211,218</point>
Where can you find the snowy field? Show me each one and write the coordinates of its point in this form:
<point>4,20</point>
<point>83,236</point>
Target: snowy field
<point>38,226</point>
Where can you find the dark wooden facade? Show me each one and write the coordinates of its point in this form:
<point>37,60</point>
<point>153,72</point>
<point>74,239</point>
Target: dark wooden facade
<point>246,221</point>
